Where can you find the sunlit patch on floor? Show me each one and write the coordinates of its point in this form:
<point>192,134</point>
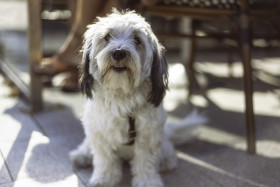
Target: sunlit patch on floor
<point>265,103</point>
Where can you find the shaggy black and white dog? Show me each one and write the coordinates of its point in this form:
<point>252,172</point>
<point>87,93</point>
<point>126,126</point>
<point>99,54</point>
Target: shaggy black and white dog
<point>124,75</point>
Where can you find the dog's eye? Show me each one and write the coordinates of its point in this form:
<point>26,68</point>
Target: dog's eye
<point>107,37</point>
<point>137,40</point>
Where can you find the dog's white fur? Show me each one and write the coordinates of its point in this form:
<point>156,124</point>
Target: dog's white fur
<point>114,94</point>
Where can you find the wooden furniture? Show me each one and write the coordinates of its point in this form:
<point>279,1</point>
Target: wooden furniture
<point>28,37</point>
<point>35,52</point>
<point>17,62</point>
<point>241,14</point>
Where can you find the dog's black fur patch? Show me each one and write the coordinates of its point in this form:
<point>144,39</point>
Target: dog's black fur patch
<point>159,78</point>
<point>86,81</point>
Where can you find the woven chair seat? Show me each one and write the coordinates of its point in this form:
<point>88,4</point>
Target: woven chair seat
<point>218,4</point>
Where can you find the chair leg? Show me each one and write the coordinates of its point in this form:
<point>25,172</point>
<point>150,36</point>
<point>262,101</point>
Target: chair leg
<point>230,61</point>
<point>189,65</point>
<point>248,82</point>
<point>230,49</point>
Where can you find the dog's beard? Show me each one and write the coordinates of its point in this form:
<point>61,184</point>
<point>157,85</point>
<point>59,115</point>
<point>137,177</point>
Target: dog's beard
<point>123,75</point>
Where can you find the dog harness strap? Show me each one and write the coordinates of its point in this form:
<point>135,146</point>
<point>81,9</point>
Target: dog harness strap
<point>131,131</point>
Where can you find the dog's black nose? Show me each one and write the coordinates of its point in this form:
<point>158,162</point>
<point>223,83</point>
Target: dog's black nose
<point>119,54</point>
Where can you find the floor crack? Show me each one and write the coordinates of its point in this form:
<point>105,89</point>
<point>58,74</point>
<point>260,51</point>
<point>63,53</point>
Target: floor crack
<point>6,165</point>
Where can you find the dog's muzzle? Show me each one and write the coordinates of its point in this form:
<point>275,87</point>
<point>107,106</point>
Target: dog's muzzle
<point>119,55</point>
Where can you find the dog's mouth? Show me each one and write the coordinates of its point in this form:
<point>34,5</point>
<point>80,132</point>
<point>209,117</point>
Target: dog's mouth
<point>119,68</point>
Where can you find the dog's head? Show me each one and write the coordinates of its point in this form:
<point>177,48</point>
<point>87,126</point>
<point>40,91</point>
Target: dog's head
<point>120,52</point>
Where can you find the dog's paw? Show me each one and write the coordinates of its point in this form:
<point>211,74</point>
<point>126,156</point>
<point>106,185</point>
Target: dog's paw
<point>147,182</point>
<point>98,183</point>
<point>168,164</point>
<point>103,181</point>
<point>80,159</point>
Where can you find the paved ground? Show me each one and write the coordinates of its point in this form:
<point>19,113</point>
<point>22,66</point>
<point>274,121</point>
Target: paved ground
<point>34,147</point>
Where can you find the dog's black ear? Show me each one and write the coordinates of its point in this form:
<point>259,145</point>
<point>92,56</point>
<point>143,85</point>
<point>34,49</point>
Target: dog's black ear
<point>159,78</point>
<point>86,80</point>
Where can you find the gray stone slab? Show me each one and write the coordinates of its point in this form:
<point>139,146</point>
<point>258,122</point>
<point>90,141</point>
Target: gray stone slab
<point>232,163</point>
<point>71,181</point>
<point>186,175</point>
<point>41,159</point>
<point>60,122</point>
<point>16,123</point>
<point>10,184</point>
<point>54,98</point>
<point>213,175</point>
<point>4,173</point>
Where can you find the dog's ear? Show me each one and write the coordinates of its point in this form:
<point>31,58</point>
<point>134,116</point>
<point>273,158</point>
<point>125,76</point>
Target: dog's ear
<point>159,77</point>
<point>86,80</point>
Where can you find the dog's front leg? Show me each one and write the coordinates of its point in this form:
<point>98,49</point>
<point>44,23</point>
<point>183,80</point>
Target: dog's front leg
<point>145,167</point>
<point>82,156</point>
<point>107,168</point>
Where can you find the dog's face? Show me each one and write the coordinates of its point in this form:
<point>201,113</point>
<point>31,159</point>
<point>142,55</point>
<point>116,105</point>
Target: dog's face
<point>120,52</point>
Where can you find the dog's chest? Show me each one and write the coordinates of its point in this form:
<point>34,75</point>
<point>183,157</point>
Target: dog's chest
<point>120,137</point>
<point>119,131</point>
<point>107,124</point>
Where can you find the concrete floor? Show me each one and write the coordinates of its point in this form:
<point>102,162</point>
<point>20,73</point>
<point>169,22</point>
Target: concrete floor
<point>34,147</point>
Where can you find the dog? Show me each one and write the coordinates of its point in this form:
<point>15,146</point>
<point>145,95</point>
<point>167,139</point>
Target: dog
<point>124,75</point>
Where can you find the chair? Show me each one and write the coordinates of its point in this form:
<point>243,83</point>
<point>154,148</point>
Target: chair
<point>241,13</point>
